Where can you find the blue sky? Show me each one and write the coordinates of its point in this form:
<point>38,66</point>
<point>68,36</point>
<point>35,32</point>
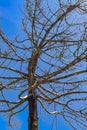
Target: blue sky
<point>10,16</point>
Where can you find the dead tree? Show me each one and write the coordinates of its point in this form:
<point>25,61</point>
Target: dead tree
<point>46,65</point>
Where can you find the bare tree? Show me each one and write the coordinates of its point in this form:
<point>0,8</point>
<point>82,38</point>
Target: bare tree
<point>47,63</point>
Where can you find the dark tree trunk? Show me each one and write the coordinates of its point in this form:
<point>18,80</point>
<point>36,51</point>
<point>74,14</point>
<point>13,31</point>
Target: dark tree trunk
<point>32,118</point>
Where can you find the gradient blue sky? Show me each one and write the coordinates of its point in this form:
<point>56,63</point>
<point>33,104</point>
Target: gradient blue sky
<point>10,17</point>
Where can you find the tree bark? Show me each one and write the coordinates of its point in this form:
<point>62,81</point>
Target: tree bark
<point>32,118</point>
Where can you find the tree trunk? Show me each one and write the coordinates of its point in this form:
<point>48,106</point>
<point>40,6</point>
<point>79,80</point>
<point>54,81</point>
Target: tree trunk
<point>32,118</point>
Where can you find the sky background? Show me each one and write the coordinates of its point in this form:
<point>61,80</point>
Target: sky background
<point>10,18</point>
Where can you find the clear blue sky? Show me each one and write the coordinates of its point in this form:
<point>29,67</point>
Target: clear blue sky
<point>10,15</point>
